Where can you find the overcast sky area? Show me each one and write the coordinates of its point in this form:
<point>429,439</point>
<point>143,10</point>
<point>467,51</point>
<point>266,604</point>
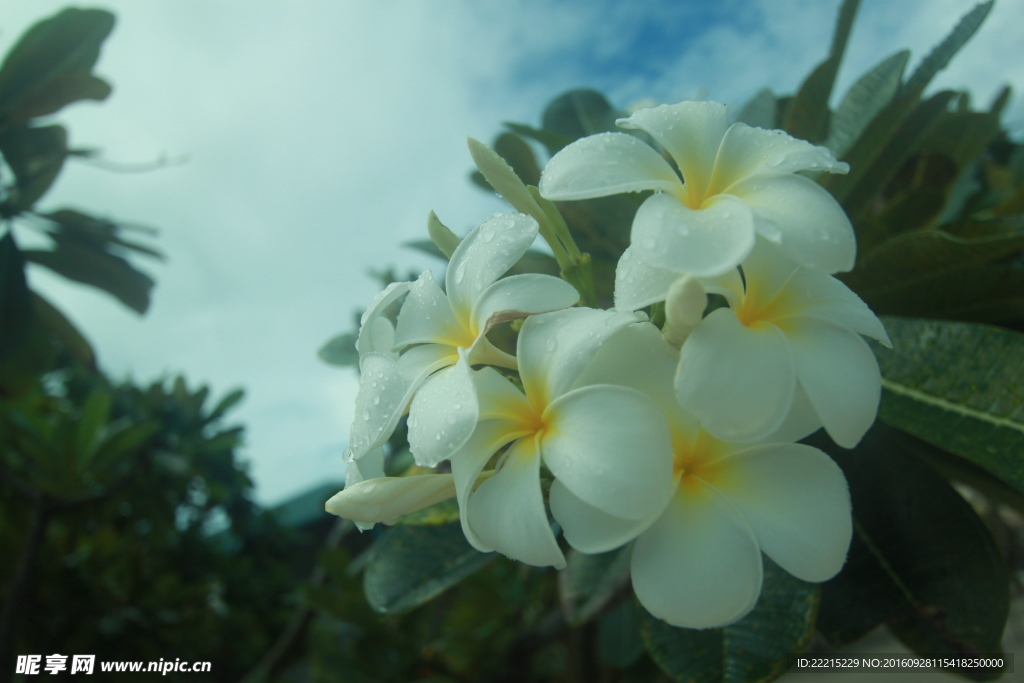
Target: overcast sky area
<point>319,133</point>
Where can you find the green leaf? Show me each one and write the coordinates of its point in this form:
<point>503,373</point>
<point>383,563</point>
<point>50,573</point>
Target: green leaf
<point>15,299</point>
<point>340,350</point>
<point>944,51</point>
<point>920,258</point>
<point>807,116</point>
<point>91,265</point>
<point>444,239</point>
<point>591,582</point>
<point>514,150</point>
<point>921,560</point>
<point>551,141</point>
<point>501,176</point>
<point>960,387</point>
<point>882,150</point>
<point>85,229</point>
<point>36,156</point>
<point>91,423</point>
<point>864,100</point>
<point>50,65</point>
<point>410,565</point>
<point>579,113</point>
<point>759,111</point>
<point>618,635</point>
<point>224,405</point>
<point>753,649</point>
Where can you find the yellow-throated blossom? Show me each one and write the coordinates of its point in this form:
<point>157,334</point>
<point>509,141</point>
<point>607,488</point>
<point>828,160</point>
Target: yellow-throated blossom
<point>608,445</point>
<point>737,181</point>
<point>396,361</point>
<point>697,560</point>
<point>789,341</point>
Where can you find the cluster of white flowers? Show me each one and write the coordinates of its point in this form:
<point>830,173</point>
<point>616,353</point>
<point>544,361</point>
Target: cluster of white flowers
<point>681,439</point>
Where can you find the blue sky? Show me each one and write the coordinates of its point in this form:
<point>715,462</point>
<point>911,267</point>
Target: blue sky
<point>318,134</point>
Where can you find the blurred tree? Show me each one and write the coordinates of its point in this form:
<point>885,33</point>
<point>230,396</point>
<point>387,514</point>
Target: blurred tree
<point>126,521</point>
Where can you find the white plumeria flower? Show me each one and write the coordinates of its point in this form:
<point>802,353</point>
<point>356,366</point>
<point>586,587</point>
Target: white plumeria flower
<point>609,445</point>
<point>790,340</point>
<point>437,326</point>
<point>697,561</point>
<point>737,181</point>
<point>445,326</point>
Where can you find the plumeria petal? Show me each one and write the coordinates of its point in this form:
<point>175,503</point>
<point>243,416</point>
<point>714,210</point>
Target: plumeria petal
<point>487,252</point>
<point>369,339</point>
<point>427,317</point>
<point>796,500</point>
<point>610,446</point>
<point>507,511</point>
<point>518,296</point>
<point>369,466</point>
<point>840,375</point>
<point>379,403</point>
<point>809,224</point>
<point>498,398</point>
<point>699,565</point>
<point>638,357</point>
<point>589,529</point>
<point>748,151</point>
<point>738,381</point>
<point>388,498</point>
<point>605,164</point>
<point>553,348</point>
<point>469,461</point>
<point>810,293</point>
<point>690,131</point>
<point>705,242</point>
<point>801,421</point>
<point>443,414</point>
<point>639,283</point>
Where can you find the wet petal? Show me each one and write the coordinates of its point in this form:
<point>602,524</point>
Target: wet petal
<point>690,131</point>
<point>469,461</point>
<point>553,348</point>
<point>699,565</point>
<point>605,164</point>
<point>369,466</point>
<point>385,388</point>
<point>748,151</point>
<point>738,381</point>
<point>443,414</point>
<point>507,511</point>
<point>810,293</point>
<point>708,241</point>
<point>639,283</point>
<point>519,296</point>
<point>840,375</point>
<point>589,529</point>
<point>380,402</point>
<point>796,500</point>
<point>487,252</point>
<point>809,224</point>
<point>388,498</point>
<point>611,447</point>
<point>370,324</point>
<point>426,316</point>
